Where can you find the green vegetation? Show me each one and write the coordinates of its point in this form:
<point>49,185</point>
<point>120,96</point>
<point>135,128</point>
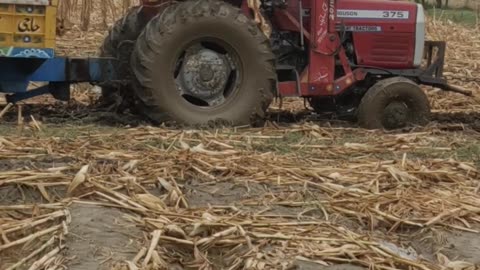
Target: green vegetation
<point>461,16</point>
<point>59,131</point>
<point>469,152</point>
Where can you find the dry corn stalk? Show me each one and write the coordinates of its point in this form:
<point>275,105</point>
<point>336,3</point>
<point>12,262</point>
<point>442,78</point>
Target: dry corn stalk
<point>85,14</point>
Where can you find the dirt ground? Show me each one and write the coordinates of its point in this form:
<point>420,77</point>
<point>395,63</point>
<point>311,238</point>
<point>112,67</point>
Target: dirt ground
<point>191,186</point>
<point>85,189</point>
<point>99,239</point>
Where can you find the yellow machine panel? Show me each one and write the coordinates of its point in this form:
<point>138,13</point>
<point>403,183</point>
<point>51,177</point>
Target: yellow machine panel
<point>27,24</point>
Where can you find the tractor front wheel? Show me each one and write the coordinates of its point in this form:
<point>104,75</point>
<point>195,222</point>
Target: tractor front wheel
<point>393,103</point>
<point>203,62</point>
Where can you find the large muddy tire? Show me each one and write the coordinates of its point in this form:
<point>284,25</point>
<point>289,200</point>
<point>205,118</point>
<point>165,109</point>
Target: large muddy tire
<point>203,62</point>
<point>126,29</point>
<point>394,103</point>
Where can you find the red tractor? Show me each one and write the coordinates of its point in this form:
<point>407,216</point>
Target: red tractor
<point>198,61</point>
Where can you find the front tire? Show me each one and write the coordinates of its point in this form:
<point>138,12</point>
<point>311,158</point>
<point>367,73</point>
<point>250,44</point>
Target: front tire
<point>184,61</point>
<point>394,103</point>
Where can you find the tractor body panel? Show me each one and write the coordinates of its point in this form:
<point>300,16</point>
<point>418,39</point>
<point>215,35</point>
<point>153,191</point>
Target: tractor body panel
<point>346,35</point>
<point>387,34</point>
<point>384,33</point>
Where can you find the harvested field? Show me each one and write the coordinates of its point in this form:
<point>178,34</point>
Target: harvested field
<point>84,189</point>
<point>250,198</point>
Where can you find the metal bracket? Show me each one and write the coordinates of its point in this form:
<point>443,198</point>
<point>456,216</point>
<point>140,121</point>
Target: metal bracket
<point>300,15</point>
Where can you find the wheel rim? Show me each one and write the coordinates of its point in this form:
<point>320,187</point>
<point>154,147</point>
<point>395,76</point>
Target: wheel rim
<point>207,73</point>
<point>396,115</point>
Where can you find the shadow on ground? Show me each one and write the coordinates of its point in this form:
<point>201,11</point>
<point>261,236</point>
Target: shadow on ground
<point>78,113</point>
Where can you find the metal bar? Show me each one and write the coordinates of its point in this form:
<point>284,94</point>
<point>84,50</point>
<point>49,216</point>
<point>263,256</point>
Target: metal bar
<point>302,37</point>
<point>57,70</point>
<point>14,98</point>
<point>295,22</point>
<point>429,48</point>
<point>17,73</point>
<point>457,89</point>
<point>435,62</point>
<point>52,70</point>
<point>441,56</point>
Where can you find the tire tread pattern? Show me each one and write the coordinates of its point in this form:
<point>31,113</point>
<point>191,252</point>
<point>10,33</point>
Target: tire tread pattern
<point>128,27</point>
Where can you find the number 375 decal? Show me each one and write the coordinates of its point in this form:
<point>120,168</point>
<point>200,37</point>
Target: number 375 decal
<point>394,14</point>
<point>372,14</point>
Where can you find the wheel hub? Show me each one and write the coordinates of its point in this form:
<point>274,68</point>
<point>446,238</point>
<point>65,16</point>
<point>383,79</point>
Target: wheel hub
<point>204,74</point>
<point>396,115</point>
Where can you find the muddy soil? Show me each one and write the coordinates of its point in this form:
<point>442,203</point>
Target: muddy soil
<point>306,265</point>
<point>13,194</point>
<point>100,238</point>
<point>471,119</point>
<point>46,162</point>
<point>201,194</point>
<point>78,113</point>
<point>245,195</point>
<point>456,245</point>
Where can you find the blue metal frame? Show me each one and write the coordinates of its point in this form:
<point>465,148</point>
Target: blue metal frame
<point>16,73</point>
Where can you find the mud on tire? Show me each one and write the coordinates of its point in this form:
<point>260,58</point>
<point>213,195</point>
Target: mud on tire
<point>166,38</point>
<point>128,28</point>
<point>394,103</point>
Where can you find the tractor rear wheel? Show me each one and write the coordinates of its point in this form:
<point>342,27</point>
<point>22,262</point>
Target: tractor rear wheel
<point>393,103</point>
<point>124,30</point>
<point>203,62</point>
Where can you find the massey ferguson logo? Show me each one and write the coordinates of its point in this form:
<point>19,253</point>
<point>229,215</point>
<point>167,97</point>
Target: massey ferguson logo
<point>347,13</point>
<point>373,14</point>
